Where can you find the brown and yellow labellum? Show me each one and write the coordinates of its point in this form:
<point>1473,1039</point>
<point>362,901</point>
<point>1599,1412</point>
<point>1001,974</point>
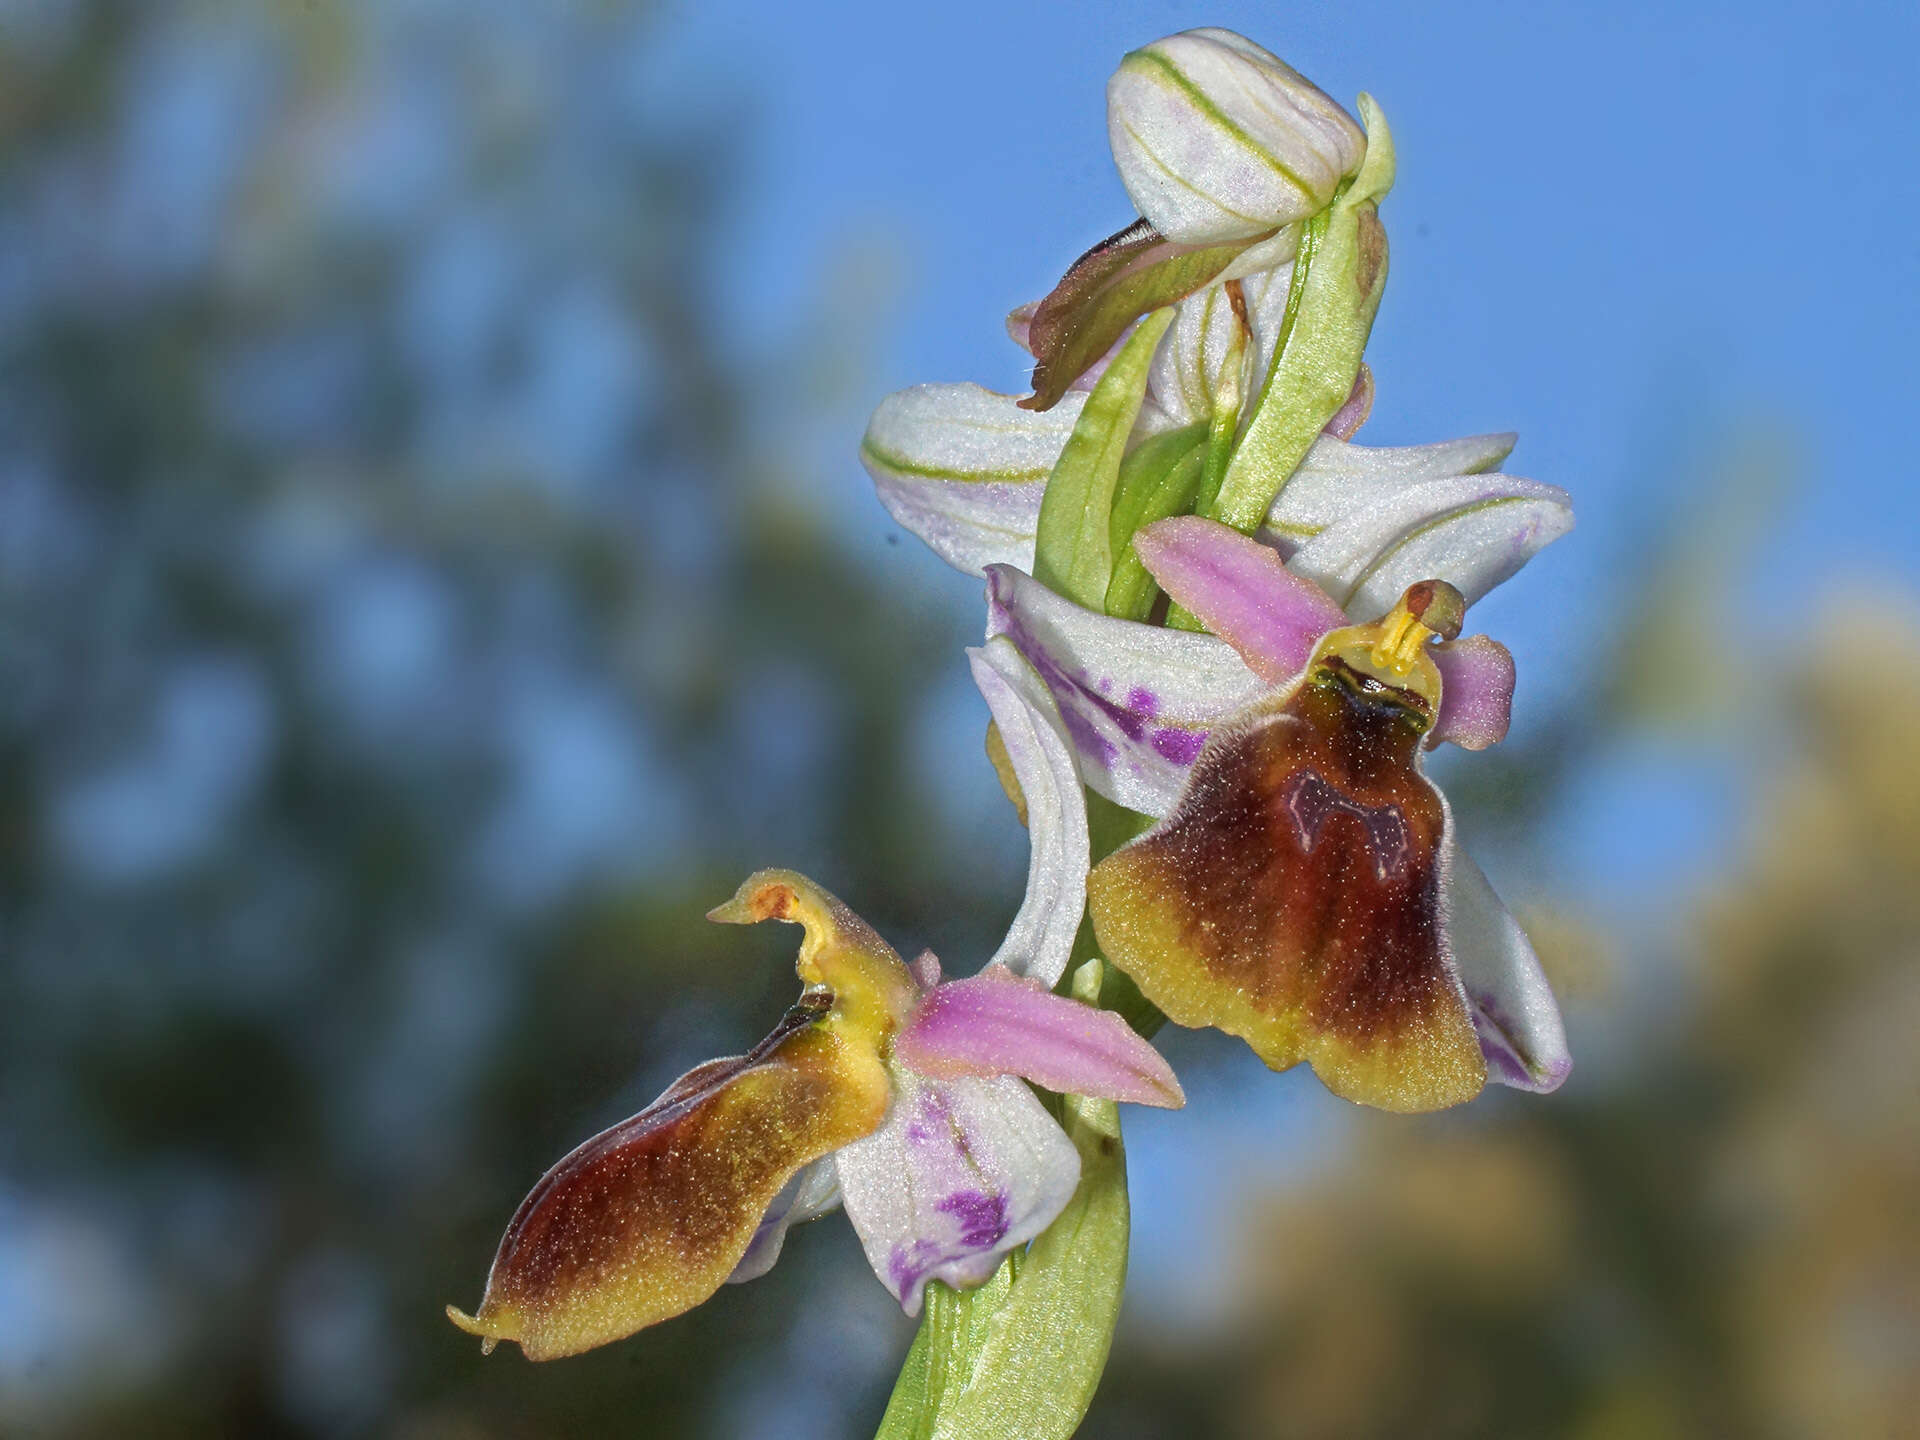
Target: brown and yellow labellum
<point>1292,896</point>
<point>649,1218</point>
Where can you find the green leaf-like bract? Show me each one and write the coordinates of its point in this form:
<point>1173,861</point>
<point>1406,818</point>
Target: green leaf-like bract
<point>1160,478</point>
<point>1073,543</point>
<point>1337,279</point>
<point>1022,1354</point>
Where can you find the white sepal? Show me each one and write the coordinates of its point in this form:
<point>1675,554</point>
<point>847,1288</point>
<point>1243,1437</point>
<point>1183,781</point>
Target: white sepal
<point>1136,700</point>
<point>963,468</point>
<point>1473,531</point>
<point>1040,941</point>
<point>1514,1011</point>
<point>809,1195</point>
<point>961,1172</point>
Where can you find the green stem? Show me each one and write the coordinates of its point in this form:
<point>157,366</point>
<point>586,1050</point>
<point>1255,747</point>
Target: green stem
<point>1023,1354</point>
<point>946,1350</point>
<point>1073,541</point>
<point>1160,478</point>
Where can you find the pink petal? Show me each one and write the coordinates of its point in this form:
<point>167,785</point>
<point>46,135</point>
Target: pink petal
<point>1239,588</point>
<point>1476,692</point>
<point>999,1024</point>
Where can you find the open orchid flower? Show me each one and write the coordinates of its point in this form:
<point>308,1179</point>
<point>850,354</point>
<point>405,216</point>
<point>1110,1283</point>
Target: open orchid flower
<point>1304,888</point>
<point>884,1089</point>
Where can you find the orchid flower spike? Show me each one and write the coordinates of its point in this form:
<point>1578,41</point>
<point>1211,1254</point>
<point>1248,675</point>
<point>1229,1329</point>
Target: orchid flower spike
<point>885,1089</point>
<point>1304,887</point>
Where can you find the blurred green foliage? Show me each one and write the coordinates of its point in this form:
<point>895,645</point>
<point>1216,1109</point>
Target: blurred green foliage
<point>407,630</point>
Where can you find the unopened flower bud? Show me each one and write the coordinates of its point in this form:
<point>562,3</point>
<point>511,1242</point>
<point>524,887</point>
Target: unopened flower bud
<point>1217,139</point>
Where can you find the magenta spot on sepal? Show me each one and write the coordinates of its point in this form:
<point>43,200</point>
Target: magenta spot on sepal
<point>982,1217</point>
<point>1180,746</point>
<point>982,1220</point>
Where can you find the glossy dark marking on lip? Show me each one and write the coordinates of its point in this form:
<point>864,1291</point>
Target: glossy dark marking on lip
<point>1309,801</point>
<point>1405,706</point>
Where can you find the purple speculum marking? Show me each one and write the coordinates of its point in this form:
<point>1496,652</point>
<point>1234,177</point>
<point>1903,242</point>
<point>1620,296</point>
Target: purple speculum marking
<point>1066,691</point>
<point>907,1265</point>
<point>1067,687</point>
<point>1085,736</point>
<point>932,1124</point>
<point>1129,724</point>
<point>1075,693</point>
<point>1310,800</point>
<point>931,1120</point>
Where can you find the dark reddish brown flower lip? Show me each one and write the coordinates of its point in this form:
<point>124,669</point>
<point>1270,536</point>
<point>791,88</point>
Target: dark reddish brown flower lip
<point>1292,897</point>
<point>648,1218</point>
